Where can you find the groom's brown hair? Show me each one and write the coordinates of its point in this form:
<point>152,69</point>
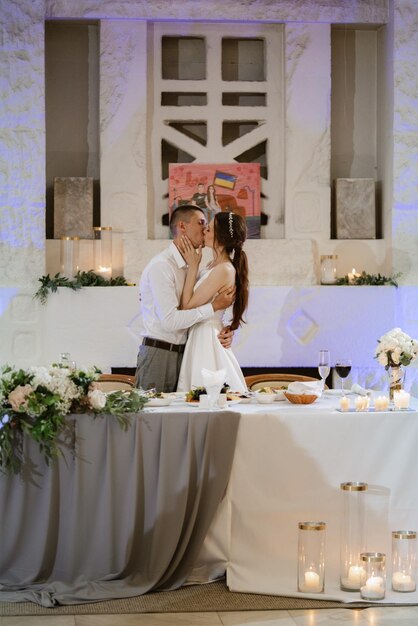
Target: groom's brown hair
<point>182,213</point>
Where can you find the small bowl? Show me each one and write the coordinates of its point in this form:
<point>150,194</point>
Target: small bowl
<point>265,398</point>
<point>159,402</point>
<point>300,398</point>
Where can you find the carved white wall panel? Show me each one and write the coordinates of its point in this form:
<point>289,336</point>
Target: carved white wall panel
<point>308,149</point>
<point>270,118</point>
<point>262,10</point>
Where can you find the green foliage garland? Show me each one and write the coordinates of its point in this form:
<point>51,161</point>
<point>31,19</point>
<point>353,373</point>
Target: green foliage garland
<point>369,279</point>
<point>50,284</point>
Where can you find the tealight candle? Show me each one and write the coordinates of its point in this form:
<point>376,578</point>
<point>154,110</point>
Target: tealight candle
<point>402,582</point>
<point>401,399</point>
<point>352,276</point>
<point>375,587</point>
<point>381,403</point>
<point>362,403</point>
<point>344,403</point>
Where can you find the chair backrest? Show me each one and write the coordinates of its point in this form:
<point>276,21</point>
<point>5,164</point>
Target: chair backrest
<point>115,382</point>
<point>277,381</point>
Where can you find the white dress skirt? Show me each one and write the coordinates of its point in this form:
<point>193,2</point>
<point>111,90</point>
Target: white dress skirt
<point>203,350</point>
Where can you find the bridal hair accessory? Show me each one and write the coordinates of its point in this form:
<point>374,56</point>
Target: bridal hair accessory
<point>231,229</point>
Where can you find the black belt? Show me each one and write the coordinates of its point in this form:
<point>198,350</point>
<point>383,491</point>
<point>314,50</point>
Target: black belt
<point>164,345</point>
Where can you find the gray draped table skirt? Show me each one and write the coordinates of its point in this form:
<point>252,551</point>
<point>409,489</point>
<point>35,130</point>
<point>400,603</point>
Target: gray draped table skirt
<point>120,513</point>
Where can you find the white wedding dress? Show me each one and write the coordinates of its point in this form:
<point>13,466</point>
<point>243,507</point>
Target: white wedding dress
<point>203,350</point>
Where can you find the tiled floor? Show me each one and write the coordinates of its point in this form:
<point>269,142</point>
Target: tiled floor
<point>379,616</point>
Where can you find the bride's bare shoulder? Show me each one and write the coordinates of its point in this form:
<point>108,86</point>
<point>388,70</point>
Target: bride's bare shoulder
<point>224,269</point>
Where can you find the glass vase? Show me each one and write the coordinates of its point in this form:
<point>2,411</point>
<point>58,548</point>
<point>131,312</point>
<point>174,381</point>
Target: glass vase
<point>311,557</point>
<point>353,534</point>
<point>396,376</point>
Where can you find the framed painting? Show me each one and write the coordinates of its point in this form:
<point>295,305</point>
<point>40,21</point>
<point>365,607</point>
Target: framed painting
<point>215,187</point>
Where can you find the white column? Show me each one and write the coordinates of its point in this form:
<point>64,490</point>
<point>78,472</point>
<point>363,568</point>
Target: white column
<point>123,135</point>
<point>308,150</point>
<point>22,143</point>
<point>405,133</point>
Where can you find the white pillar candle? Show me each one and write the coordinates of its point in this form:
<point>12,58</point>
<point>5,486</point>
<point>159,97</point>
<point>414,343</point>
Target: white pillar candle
<point>402,582</point>
<point>356,575</point>
<point>312,581</point>
<point>344,403</point>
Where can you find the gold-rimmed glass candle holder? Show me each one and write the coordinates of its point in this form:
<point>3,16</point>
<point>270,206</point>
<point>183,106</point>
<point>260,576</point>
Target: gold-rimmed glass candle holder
<point>404,560</point>
<point>102,250</point>
<point>353,534</point>
<point>374,565</point>
<point>311,557</point>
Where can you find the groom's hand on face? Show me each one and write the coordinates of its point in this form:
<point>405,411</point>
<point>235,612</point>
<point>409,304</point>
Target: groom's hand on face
<point>224,299</point>
<point>225,337</point>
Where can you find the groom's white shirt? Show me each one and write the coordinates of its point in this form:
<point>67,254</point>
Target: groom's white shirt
<point>161,285</point>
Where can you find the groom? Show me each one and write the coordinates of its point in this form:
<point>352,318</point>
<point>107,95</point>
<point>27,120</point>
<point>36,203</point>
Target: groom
<point>165,325</point>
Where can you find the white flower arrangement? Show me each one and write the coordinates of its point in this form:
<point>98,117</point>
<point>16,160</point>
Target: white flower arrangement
<point>34,403</point>
<point>396,348</point>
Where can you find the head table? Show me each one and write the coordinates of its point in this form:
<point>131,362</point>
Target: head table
<point>288,466</point>
<point>122,513</point>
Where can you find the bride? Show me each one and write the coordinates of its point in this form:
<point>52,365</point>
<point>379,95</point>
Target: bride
<point>225,234</point>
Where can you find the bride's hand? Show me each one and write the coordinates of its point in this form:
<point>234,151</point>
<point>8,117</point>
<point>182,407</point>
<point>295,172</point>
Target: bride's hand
<point>191,255</point>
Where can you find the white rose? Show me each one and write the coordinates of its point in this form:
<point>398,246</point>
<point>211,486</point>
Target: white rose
<point>382,359</point>
<point>97,399</point>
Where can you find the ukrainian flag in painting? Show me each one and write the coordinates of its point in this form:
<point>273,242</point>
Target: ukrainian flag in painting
<point>222,179</point>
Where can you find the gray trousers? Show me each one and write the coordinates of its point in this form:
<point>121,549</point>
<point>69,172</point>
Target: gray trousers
<point>157,369</point>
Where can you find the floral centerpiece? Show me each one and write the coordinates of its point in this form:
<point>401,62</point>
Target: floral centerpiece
<point>34,403</point>
<point>394,350</point>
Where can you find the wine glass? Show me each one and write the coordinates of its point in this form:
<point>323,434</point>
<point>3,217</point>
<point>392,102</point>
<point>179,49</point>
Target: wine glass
<point>343,368</point>
<point>323,365</point>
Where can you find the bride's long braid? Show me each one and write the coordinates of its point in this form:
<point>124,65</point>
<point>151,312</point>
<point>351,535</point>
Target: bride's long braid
<point>231,233</point>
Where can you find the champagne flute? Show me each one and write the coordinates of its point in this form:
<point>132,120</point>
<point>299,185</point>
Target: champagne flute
<point>343,368</point>
<point>323,365</point>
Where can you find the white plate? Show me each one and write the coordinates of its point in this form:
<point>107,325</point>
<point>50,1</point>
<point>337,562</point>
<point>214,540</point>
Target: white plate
<point>159,402</point>
<point>229,403</point>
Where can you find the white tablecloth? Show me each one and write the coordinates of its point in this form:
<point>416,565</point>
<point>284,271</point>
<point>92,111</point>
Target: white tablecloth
<point>288,465</point>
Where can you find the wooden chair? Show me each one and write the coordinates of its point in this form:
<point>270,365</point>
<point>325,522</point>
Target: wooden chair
<point>115,382</point>
<point>276,381</point>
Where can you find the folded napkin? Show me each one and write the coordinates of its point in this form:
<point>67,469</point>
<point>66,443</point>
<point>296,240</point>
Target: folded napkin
<point>213,378</point>
<point>361,391</point>
<point>312,387</point>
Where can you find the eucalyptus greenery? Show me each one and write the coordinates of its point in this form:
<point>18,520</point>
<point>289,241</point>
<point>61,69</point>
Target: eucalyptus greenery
<point>369,279</point>
<point>50,284</point>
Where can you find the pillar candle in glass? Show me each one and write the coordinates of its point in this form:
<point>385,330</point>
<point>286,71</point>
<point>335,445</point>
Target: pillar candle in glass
<point>329,269</point>
<point>103,251</point>
<point>353,534</point>
<point>69,255</point>
<point>404,560</point>
<point>311,557</point>
<point>374,585</point>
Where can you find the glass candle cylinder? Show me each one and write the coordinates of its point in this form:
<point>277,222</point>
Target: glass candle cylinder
<point>311,557</point>
<point>404,560</point>
<point>103,251</point>
<point>353,535</point>
<point>69,255</point>
<point>373,587</point>
<point>329,269</point>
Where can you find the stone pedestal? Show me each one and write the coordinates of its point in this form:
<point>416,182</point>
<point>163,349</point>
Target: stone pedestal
<point>355,207</point>
<point>73,207</point>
